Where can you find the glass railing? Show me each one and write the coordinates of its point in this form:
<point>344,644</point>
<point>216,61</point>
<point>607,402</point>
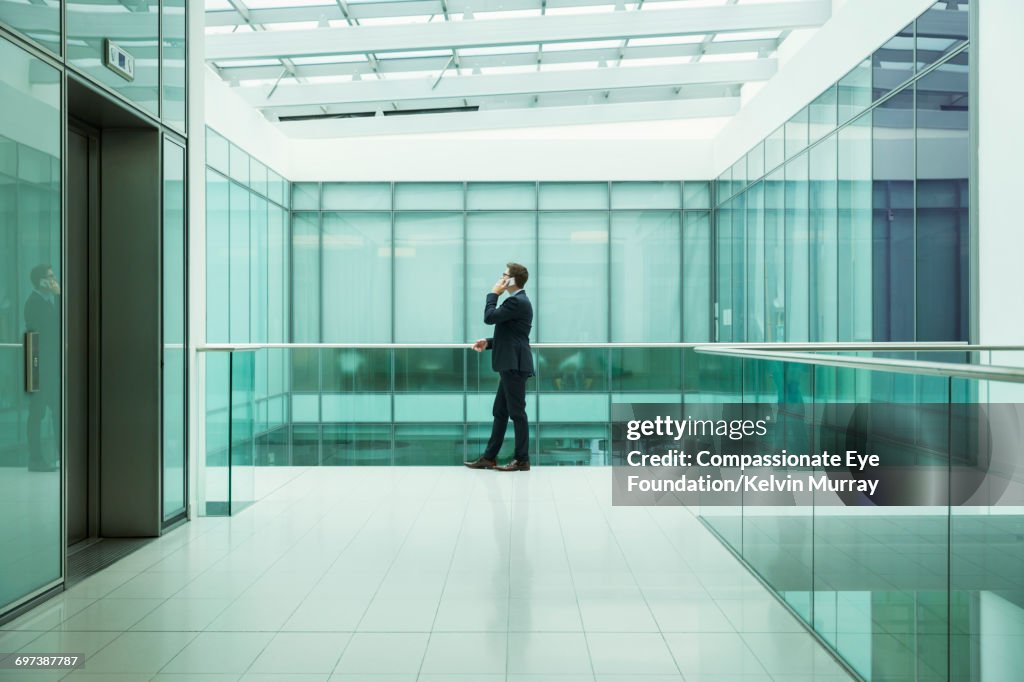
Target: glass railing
<point>932,590</point>
<point>416,404</point>
<point>394,404</point>
<point>912,589</point>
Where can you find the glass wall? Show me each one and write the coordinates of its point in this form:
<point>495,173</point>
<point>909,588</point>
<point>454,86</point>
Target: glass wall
<point>30,279</point>
<point>132,26</point>
<point>39,22</point>
<point>246,246</point>
<point>584,244</point>
<point>925,586</point>
<point>174,306</point>
<point>875,212</point>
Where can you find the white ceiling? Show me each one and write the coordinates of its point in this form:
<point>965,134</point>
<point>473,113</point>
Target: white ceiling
<point>358,67</point>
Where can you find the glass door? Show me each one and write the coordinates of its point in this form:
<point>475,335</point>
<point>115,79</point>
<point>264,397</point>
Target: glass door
<point>30,326</point>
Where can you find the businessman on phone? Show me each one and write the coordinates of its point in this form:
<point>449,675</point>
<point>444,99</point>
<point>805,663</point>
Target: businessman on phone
<point>511,358</point>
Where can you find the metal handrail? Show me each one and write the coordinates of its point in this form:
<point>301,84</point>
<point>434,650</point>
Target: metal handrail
<point>1003,373</point>
<point>794,346</point>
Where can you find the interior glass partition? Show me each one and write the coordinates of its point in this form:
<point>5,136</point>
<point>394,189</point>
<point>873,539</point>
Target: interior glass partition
<point>576,239</point>
<point>30,280</point>
<point>174,352</point>
<point>891,137</point>
<point>247,242</point>
<point>923,591</point>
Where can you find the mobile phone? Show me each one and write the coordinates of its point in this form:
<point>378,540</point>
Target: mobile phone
<point>510,282</point>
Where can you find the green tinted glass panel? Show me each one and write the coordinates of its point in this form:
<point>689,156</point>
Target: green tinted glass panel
<point>174,382</point>
<point>30,240</point>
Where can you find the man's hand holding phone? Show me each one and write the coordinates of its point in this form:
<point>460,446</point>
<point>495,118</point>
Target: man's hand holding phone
<point>501,285</point>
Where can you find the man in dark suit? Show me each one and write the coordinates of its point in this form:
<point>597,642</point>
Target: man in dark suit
<point>42,315</point>
<point>512,358</point>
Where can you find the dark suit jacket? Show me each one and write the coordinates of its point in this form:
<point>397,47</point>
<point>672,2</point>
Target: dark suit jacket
<point>510,345</point>
<point>43,317</point>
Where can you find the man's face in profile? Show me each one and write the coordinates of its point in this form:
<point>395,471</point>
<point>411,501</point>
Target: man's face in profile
<point>49,283</point>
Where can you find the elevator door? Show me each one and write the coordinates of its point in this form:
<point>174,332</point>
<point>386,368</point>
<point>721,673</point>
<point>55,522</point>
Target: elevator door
<point>80,370</point>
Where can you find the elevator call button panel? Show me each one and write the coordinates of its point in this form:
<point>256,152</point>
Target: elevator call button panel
<point>118,60</point>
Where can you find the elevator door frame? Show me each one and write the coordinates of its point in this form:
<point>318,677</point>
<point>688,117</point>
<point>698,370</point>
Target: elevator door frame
<point>91,337</point>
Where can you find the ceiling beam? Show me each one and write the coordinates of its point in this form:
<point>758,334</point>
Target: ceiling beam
<point>514,118</point>
<point>530,30</point>
<point>239,73</point>
<point>387,9</point>
<point>371,92</point>
<point>559,99</point>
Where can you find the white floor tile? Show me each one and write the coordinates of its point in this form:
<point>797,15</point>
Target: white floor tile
<point>138,652</point>
<point>151,585</point>
<point>110,614</point>
<point>306,652</point>
<point>465,614</point>
<point>714,653</point>
<point>616,614</point>
<point>219,652</point>
<point>399,615</point>
<point>383,653</point>
<point>429,574</point>
<point>247,614</point>
<point>630,653</point>
<point>327,615</point>
<point>465,653</point>
<point>63,641</point>
<point>187,615</point>
<point>689,615</point>
<point>784,654</point>
<point>545,614</point>
<point>763,614</point>
<point>547,653</point>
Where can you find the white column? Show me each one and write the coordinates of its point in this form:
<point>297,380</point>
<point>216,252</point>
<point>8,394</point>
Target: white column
<point>1000,160</point>
<point>196,251</point>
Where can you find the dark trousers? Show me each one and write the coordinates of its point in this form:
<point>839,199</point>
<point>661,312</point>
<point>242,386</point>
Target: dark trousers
<point>40,403</point>
<point>510,403</point>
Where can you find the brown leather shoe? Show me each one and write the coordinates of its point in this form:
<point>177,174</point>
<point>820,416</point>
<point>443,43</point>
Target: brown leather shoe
<point>481,463</point>
<point>514,465</point>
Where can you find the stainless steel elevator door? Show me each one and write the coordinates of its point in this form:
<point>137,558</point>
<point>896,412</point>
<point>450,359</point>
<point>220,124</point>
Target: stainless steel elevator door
<point>81,204</point>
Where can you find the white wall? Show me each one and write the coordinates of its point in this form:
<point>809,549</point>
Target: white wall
<point>1000,159</point>
<point>233,118</point>
<point>466,157</point>
<point>809,62</point>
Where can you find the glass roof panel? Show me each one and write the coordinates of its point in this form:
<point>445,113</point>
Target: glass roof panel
<point>729,57</point>
<point>581,45</point>
<point>292,26</point>
<point>584,9</point>
<point>396,21</point>
<point>507,14</point>
<point>746,35</point>
<point>332,59</point>
<point>273,4</point>
<point>656,61</point>
<point>414,54</point>
<point>665,40</point>
<point>595,40</point>
<point>498,49</point>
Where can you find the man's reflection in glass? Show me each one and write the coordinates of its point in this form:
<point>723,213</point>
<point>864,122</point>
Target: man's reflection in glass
<point>42,315</point>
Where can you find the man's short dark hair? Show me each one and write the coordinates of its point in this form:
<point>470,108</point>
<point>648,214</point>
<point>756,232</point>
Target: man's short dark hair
<point>519,272</point>
<point>39,273</point>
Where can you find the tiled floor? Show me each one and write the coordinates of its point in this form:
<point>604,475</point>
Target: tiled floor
<point>430,574</point>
